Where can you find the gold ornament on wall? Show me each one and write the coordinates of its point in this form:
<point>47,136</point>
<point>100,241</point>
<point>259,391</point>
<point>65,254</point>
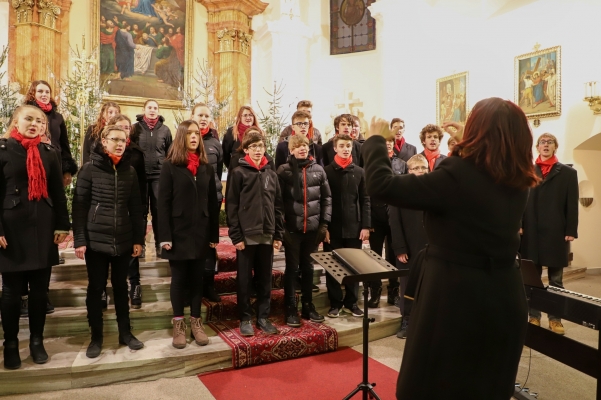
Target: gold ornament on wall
<point>24,10</point>
<point>48,13</point>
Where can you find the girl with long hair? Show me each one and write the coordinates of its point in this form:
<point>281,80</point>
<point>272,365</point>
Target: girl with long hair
<point>107,111</point>
<point>232,140</point>
<point>188,226</point>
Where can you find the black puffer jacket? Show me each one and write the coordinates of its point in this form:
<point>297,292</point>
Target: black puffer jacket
<point>254,203</point>
<point>107,213</point>
<point>155,143</point>
<point>214,153</point>
<point>315,203</point>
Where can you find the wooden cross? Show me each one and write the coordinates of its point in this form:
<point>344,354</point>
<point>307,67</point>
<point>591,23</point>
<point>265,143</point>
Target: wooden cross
<point>536,46</point>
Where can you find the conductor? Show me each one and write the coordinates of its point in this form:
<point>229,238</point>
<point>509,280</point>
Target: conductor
<point>469,319</point>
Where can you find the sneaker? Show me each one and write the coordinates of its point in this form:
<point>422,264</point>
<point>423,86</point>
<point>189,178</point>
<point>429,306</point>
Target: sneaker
<point>534,321</point>
<point>356,311</point>
<point>266,326</point>
<point>24,306</point>
<point>557,327</point>
<point>402,333</point>
<point>49,307</point>
<point>309,312</point>
<point>135,296</point>
<point>179,333</point>
<point>246,328</point>
<point>292,318</point>
<point>333,312</point>
<point>104,300</point>
<point>315,288</point>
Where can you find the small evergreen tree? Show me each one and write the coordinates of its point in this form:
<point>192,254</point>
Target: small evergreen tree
<point>273,122</point>
<point>8,95</point>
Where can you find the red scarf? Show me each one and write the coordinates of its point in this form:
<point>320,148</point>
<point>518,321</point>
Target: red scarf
<point>398,144</point>
<point>114,158</point>
<point>432,156</point>
<point>390,154</point>
<point>310,133</point>
<point>36,174</point>
<point>203,132</point>
<point>241,131</point>
<point>45,107</point>
<point>545,166</point>
<point>151,122</point>
<point>193,162</point>
<point>252,163</point>
<point>127,142</point>
<point>342,162</point>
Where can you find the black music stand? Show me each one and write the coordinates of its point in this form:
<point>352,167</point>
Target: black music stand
<point>351,266</point>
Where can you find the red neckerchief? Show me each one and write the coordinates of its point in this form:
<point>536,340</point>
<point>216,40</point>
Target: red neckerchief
<point>114,158</point>
<point>151,122</point>
<point>45,107</point>
<point>545,166</point>
<point>431,156</point>
<point>203,132</point>
<point>310,133</point>
<point>127,142</point>
<point>252,163</point>
<point>398,144</point>
<point>36,174</point>
<point>342,162</point>
<point>390,154</point>
<point>241,131</point>
<point>193,162</point>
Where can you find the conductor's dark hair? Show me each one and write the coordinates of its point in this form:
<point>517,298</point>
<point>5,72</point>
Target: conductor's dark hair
<point>498,140</point>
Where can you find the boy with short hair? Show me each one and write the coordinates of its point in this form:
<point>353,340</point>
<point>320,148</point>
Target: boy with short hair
<point>314,135</point>
<point>402,149</point>
<point>343,124</point>
<point>408,239</point>
<point>351,219</point>
<point>301,124</point>
<point>356,131</point>
<point>307,213</point>
<point>256,227</point>
<point>431,136</point>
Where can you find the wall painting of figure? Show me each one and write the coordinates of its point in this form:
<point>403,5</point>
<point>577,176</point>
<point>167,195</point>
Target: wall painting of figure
<point>451,98</point>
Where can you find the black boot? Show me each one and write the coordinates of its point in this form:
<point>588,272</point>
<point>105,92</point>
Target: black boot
<point>393,293</point>
<point>12,359</point>
<point>37,350</point>
<point>95,346</point>
<point>129,340</point>
<point>374,301</point>
<point>308,312</point>
<point>208,291</point>
<point>402,333</point>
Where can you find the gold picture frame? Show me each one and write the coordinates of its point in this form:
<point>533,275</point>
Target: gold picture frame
<point>123,91</point>
<point>538,83</point>
<point>452,98</point>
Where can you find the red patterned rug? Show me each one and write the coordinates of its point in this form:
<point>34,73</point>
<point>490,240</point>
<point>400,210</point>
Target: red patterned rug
<point>310,338</point>
<point>225,282</point>
<point>226,254</point>
<point>227,308</point>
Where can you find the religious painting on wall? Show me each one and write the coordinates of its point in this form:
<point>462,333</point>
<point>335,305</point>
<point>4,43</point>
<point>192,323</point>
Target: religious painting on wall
<point>352,29</point>
<point>538,82</point>
<point>144,49</point>
<point>451,98</point>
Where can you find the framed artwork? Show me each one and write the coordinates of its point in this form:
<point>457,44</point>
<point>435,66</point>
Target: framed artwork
<point>352,29</point>
<point>451,98</point>
<point>144,49</point>
<point>538,83</point>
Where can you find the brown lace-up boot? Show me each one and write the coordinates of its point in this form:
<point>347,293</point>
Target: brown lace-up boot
<point>179,333</point>
<point>198,332</point>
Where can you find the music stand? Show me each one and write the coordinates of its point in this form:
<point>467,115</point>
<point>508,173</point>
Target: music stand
<point>351,266</point>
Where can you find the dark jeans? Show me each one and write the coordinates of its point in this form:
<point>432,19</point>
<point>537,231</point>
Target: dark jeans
<point>97,265</point>
<point>380,235</point>
<point>133,271</point>
<point>10,308</point>
<point>334,288</point>
<point>25,284</point>
<point>152,190</point>
<point>555,279</point>
<point>186,284</point>
<point>210,262</point>
<point>259,258</point>
<point>298,248</point>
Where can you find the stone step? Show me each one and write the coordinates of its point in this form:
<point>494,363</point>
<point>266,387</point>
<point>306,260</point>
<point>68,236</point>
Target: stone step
<point>69,368</point>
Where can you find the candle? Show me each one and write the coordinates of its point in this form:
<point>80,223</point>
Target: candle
<point>83,41</point>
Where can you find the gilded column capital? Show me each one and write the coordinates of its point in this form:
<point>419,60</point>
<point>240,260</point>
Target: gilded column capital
<point>249,7</point>
<point>48,13</point>
<point>23,10</point>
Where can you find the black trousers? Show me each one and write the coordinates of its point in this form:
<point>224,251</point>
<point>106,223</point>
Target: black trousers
<point>25,285</point>
<point>97,265</point>
<point>210,264</point>
<point>152,197</point>
<point>334,288</point>
<point>186,283</point>
<point>298,248</point>
<point>259,258</point>
<point>10,306</point>
<point>380,235</point>
<point>133,271</point>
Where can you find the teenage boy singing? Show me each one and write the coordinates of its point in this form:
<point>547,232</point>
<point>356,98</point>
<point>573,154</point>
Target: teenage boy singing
<point>256,226</point>
<point>343,125</point>
<point>430,136</point>
<point>351,219</point>
<point>308,209</point>
<point>301,123</point>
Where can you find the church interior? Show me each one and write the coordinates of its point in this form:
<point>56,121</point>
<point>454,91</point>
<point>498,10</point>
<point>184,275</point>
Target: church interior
<point>369,58</point>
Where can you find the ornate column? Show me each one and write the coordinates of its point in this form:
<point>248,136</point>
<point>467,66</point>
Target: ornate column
<point>230,50</point>
<point>39,41</point>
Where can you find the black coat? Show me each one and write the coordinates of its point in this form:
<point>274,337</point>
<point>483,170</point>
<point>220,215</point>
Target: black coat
<point>316,204</point>
<point>234,162</point>
<point>282,153</point>
<point>187,216</point>
<point>214,153</point>
<point>467,217</point>
<point>229,147</point>
<point>379,209</point>
<point>155,144</point>
<point>107,213</point>
<point>407,151</point>
<point>551,215</point>
<point>436,163</point>
<point>254,203</point>
<point>29,226</point>
<point>351,209</point>
<point>408,234</point>
<point>87,145</point>
<point>59,138</point>
<point>329,153</point>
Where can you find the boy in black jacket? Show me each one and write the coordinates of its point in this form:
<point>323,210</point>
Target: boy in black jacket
<point>301,124</point>
<point>343,125</point>
<point>308,209</point>
<point>256,226</point>
<point>408,239</point>
<point>351,219</point>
